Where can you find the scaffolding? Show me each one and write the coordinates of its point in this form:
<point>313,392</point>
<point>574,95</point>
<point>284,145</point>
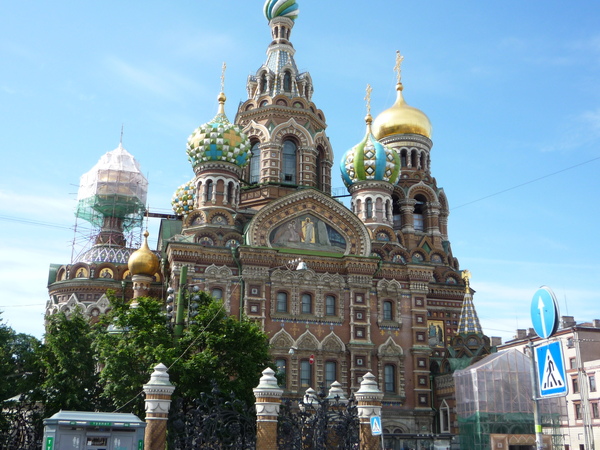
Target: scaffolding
<point>112,198</point>
<point>494,397</point>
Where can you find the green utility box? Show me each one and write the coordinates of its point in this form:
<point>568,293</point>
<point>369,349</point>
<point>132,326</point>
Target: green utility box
<point>81,430</point>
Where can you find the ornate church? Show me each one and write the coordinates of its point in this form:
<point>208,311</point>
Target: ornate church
<point>339,291</point>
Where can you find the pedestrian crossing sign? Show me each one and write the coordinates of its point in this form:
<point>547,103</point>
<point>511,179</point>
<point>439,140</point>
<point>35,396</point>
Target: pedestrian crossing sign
<point>375,425</point>
<point>551,370</point>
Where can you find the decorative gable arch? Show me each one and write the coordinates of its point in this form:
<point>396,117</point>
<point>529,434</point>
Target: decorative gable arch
<point>282,340</point>
<point>309,220</point>
<point>307,341</point>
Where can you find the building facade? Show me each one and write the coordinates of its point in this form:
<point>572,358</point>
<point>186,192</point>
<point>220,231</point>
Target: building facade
<point>339,291</point>
<point>581,352</point>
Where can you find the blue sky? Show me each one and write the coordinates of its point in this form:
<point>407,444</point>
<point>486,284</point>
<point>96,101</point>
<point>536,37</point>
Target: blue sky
<point>511,89</point>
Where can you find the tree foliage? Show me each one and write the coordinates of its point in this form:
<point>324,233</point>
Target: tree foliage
<point>70,375</point>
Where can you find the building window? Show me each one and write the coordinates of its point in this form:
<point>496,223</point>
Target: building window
<point>209,191</point>
<point>595,414</point>
<point>287,81</point>
<point>369,208</point>
<point>217,293</point>
<point>255,163</point>
<point>282,302</point>
<point>330,373</point>
<point>575,385</point>
<point>572,363</point>
<point>330,305</point>
<point>281,364</point>
<point>577,411</point>
<point>592,379</point>
<point>306,304</point>
<point>387,310</point>
<point>444,418</point>
<point>305,374</point>
<point>289,162</point>
<point>389,378</point>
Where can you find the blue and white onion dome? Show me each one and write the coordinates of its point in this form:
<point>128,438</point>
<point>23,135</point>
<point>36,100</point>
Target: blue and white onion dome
<point>281,8</point>
<point>370,160</point>
<point>183,199</point>
<point>218,140</point>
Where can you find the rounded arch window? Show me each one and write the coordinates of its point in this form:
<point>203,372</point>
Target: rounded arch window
<point>289,161</point>
<point>255,163</point>
<point>419,212</point>
<point>287,81</point>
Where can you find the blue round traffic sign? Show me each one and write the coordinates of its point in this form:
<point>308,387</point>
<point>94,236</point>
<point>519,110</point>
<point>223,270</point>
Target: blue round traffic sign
<point>544,312</point>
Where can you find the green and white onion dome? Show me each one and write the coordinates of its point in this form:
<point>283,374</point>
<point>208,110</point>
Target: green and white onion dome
<point>218,140</point>
<point>370,160</point>
<point>281,8</point>
<point>183,199</point>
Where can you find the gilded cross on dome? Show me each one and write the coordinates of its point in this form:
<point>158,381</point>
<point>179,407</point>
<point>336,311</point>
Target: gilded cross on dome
<point>368,98</point>
<point>223,76</point>
<point>398,66</point>
<point>466,275</point>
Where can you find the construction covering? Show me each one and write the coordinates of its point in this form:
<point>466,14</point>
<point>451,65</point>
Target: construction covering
<point>494,396</point>
<point>115,188</point>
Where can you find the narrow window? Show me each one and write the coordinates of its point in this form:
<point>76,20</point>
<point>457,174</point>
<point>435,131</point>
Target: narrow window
<point>369,208</point>
<point>287,82</point>
<point>595,411</point>
<point>289,162</point>
<point>419,211</point>
<point>282,302</point>
<point>592,379</point>
<point>387,310</point>
<point>209,190</point>
<point>263,83</point>
<point>306,304</point>
<point>305,374</point>
<point>330,305</point>
<point>255,163</point>
<point>230,193</point>
<point>330,373</point>
<point>281,364</point>
<point>389,378</point>
<point>575,385</point>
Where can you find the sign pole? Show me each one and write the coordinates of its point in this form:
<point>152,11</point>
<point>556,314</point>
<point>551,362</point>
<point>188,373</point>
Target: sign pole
<point>536,406</point>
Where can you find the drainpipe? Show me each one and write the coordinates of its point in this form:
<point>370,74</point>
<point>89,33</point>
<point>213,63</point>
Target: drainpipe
<point>241,280</point>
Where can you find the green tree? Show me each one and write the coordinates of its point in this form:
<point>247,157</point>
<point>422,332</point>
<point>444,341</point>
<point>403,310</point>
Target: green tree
<point>217,348</point>
<point>19,366</point>
<point>69,365</point>
<point>220,349</point>
<point>129,343</point>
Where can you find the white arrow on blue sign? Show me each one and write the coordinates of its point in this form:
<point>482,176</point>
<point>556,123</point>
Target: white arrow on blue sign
<point>376,425</point>
<point>551,370</point>
<point>544,312</point>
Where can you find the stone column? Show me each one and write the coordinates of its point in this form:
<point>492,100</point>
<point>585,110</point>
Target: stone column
<point>158,401</point>
<point>369,404</point>
<point>268,401</point>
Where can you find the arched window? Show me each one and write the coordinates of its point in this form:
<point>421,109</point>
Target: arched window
<point>208,189</point>
<point>305,374</point>
<point>330,305</point>
<point>289,162</point>
<point>330,373</point>
<point>263,83</point>
<point>389,378</point>
<point>369,208</point>
<point>419,212</point>
<point>281,364</point>
<point>287,81</point>
<point>403,158</point>
<point>388,310</point>
<point>255,163</point>
<point>306,306</point>
<point>217,293</point>
<point>230,193</point>
<point>282,302</point>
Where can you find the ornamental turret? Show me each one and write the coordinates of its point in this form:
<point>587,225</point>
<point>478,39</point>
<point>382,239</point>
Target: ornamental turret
<point>370,170</point>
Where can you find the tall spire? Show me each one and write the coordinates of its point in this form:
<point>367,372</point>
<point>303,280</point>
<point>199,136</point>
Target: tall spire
<point>469,321</point>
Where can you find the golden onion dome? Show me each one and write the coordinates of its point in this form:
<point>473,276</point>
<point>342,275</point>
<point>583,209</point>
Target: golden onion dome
<point>143,261</point>
<point>401,119</point>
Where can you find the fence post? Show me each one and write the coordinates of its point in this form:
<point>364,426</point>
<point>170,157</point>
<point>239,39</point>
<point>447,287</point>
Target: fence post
<point>268,401</point>
<point>369,404</point>
<point>158,401</point>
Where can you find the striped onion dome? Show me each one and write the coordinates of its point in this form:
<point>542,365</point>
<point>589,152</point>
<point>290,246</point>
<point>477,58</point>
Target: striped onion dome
<point>370,160</point>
